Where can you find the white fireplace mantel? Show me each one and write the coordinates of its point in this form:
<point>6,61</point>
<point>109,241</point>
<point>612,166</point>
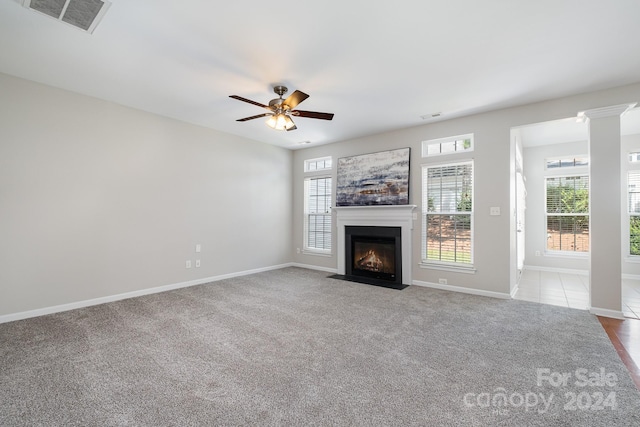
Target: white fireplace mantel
<point>377,216</point>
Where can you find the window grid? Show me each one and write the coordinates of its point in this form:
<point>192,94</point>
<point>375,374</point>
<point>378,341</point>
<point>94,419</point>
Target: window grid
<point>567,162</point>
<point>455,144</point>
<point>318,214</point>
<point>448,213</point>
<point>633,208</point>
<point>320,164</point>
<point>567,213</point>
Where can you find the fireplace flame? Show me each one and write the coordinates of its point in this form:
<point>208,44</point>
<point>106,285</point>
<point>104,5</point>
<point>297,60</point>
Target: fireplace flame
<point>370,261</point>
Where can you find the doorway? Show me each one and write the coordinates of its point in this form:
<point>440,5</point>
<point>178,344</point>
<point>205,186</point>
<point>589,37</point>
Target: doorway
<point>542,271</point>
<point>521,205</point>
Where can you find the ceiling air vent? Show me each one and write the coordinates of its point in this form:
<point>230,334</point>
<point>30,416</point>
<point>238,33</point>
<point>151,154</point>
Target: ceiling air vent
<point>83,14</point>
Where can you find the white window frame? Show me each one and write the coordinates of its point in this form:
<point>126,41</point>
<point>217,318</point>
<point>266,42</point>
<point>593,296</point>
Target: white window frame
<point>458,266</point>
<point>563,172</point>
<point>566,168</point>
<point>629,214</point>
<point>319,164</point>
<point>448,140</point>
<point>634,157</point>
<point>317,168</point>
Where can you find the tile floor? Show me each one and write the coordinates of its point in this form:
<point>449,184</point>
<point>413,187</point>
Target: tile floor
<point>571,290</point>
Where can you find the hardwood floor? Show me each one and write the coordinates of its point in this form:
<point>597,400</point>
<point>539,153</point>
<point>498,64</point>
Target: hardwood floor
<point>625,336</point>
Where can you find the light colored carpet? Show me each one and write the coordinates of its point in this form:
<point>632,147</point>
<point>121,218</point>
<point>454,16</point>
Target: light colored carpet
<point>293,347</point>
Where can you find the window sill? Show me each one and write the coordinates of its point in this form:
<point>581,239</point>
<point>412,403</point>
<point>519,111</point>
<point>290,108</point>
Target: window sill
<point>562,254</point>
<point>468,269</point>
<point>317,253</point>
<point>633,259</point>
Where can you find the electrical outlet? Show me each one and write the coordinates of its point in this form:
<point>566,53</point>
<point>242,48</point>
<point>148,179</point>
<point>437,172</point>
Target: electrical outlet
<point>197,263</point>
<point>537,253</point>
<point>188,263</point>
<point>442,281</point>
<point>298,250</point>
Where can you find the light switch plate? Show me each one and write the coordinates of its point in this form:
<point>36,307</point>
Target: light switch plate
<point>494,210</point>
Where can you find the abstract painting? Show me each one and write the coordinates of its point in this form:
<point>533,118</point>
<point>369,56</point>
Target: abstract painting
<point>374,179</point>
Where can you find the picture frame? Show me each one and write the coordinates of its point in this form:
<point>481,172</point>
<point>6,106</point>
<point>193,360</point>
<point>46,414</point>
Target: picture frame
<point>380,178</point>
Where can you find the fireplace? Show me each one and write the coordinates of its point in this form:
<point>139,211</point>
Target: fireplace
<point>363,218</point>
<point>374,255</point>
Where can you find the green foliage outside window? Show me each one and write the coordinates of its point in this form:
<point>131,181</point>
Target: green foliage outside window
<point>568,213</point>
<point>634,235</point>
<point>567,199</point>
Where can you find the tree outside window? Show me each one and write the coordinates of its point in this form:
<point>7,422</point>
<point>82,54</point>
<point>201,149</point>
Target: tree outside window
<point>567,210</point>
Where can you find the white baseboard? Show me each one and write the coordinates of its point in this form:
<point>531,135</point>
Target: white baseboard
<point>471,291</point>
<point>557,270</point>
<point>315,267</point>
<point>614,314</point>
<point>111,298</point>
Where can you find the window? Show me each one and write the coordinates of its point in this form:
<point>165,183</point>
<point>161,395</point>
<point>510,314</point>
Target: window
<point>633,208</point>
<point>634,157</point>
<point>321,164</point>
<point>447,213</point>
<point>567,162</point>
<point>567,213</point>
<point>449,145</point>
<point>317,214</point>
<point>317,205</point>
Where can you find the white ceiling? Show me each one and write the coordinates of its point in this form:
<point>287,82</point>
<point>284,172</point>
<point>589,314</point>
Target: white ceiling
<point>378,66</point>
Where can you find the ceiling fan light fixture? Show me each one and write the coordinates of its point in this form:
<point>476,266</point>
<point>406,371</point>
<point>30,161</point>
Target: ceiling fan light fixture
<point>288,123</point>
<point>280,122</point>
<point>271,121</point>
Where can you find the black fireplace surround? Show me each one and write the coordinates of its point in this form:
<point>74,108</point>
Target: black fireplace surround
<point>373,255</point>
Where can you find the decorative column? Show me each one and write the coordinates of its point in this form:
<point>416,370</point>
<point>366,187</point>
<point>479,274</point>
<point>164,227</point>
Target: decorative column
<point>605,240</point>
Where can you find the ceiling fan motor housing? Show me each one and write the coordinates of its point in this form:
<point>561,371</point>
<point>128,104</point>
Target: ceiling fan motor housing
<point>277,102</point>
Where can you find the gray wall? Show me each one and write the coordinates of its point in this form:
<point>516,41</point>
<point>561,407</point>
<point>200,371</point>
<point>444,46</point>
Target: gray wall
<point>494,171</point>
<point>97,199</point>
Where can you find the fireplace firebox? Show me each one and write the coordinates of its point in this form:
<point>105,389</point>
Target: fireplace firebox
<point>374,255</point>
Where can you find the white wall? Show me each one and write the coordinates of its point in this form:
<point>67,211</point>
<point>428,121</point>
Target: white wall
<point>494,239</point>
<point>97,199</point>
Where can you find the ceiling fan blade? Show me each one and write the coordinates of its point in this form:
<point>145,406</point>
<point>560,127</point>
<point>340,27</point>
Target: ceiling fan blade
<point>239,98</point>
<point>295,98</point>
<point>253,117</point>
<point>312,114</point>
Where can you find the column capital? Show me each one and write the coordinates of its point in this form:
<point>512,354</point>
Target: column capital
<point>612,110</point>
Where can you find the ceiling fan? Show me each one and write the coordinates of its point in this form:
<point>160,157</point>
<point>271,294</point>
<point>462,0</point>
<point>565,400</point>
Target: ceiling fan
<point>281,110</point>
